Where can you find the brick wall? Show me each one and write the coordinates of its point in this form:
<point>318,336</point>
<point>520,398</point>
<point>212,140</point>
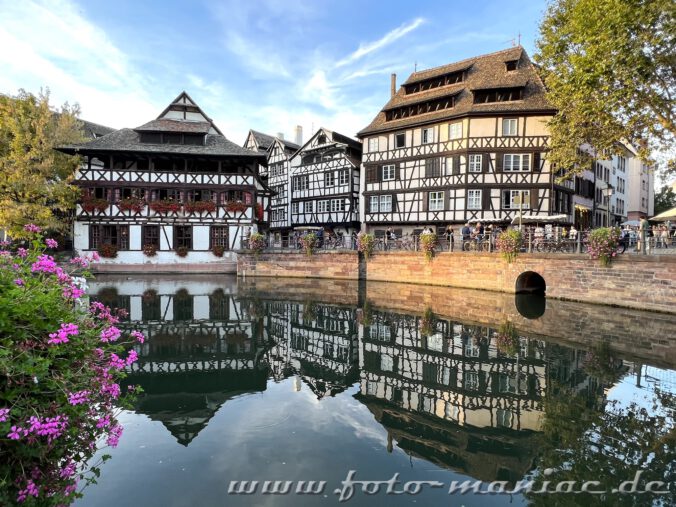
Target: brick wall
<point>645,283</point>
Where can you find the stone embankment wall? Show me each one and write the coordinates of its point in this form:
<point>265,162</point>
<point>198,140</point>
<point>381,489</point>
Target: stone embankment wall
<point>644,283</point>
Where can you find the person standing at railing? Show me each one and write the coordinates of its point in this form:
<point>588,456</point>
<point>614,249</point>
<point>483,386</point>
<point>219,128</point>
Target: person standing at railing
<point>449,237</point>
<point>466,234</point>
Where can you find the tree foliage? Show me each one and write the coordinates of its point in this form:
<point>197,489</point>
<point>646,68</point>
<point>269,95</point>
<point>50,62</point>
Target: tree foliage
<point>610,69</point>
<point>665,199</point>
<point>35,179</point>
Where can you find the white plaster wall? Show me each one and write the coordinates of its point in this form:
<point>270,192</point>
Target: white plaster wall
<point>200,240</point>
<point>135,238</point>
<point>80,236</point>
<point>200,307</point>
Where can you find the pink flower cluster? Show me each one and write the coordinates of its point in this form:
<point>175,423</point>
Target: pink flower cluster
<point>138,336</point>
<point>85,261</point>
<point>101,311</point>
<point>44,264</point>
<point>110,334</point>
<point>21,252</point>
<point>32,228</point>
<point>118,363</point>
<point>31,489</point>
<point>50,427</point>
<point>51,243</point>
<point>114,436</point>
<point>4,412</point>
<point>61,336</point>
<point>79,397</point>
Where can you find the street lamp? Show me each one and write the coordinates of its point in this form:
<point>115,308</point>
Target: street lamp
<point>608,192</point>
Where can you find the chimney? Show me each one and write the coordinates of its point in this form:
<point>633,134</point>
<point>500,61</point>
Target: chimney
<point>393,85</point>
<point>280,135</point>
<point>299,135</point>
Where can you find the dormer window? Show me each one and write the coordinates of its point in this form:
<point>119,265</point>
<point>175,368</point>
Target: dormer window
<point>321,139</point>
<point>171,138</point>
<point>497,95</point>
<point>511,65</point>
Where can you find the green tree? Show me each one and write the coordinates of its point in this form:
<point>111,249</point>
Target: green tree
<point>665,199</point>
<point>610,70</point>
<point>34,178</point>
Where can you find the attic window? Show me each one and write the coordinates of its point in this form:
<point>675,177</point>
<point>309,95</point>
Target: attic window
<point>498,95</point>
<point>435,82</point>
<point>321,139</point>
<point>171,138</point>
<point>429,106</point>
<point>511,65</point>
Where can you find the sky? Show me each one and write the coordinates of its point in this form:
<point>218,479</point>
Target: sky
<point>268,65</point>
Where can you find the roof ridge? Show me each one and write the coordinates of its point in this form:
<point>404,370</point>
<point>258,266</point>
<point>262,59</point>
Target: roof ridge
<point>466,60</point>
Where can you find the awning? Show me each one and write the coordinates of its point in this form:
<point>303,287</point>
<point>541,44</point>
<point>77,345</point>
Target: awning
<point>663,217</point>
<point>541,219</point>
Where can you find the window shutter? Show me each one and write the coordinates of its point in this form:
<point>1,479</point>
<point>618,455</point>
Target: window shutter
<point>425,198</point>
<point>456,164</point>
<point>394,203</point>
<point>379,174</point>
<point>371,173</point>
<point>447,198</point>
<point>536,162</point>
<point>367,204</point>
<point>486,199</point>
<point>397,168</point>
<point>534,199</point>
<point>499,159</point>
<point>484,162</point>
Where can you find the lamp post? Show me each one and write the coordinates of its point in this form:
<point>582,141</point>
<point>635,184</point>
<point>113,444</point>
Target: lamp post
<point>608,192</point>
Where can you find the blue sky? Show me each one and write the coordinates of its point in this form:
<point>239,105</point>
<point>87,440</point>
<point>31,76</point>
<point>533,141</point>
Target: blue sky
<point>267,65</point>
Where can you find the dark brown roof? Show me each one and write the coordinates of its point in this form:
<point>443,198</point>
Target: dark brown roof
<point>483,72</point>
<point>182,126</point>
<point>263,141</point>
<point>93,130</point>
<point>127,140</point>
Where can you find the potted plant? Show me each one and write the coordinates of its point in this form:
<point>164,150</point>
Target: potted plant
<point>507,339</point>
<point>256,242</point>
<point>509,244</point>
<point>182,251</point>
<point>218,250</point>
<point>603,244</point>
<point>107,250</point>
<point>90,204</point>
<point>365,244</point>
<point>309,242</point>
<point>135,204</point>
<point>199,206</point>
<point>428,242</point>
<point>149,250</point>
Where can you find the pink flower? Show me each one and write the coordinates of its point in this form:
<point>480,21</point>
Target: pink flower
<point>114,437</point>
<point>44,264</point>
<point>4,412</point>
<point>32,228</point>
<point>116,362</point>
<point>132,357</point>
<point>138,336</point>
<point>15,433</point>
<point>72,292</point>
<point>51,243</point>
<point>19,282</point>
<point>78,398</point>
<point>110,334</point>
<point>61,336</point>
<point>22,252</point>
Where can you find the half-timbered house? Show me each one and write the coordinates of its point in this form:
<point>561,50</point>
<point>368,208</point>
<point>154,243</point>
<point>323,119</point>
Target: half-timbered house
<point>172,191</point>
<point>278,152</point>
<point>462,142</point>
<point>325,182</point>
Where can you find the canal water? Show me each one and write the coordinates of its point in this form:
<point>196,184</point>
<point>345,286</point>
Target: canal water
<point>387,394</point>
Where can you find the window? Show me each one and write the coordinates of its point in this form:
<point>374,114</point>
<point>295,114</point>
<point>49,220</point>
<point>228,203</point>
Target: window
<point>498,95</point>
<point>294,207</point>
<point>329,179</point>
<point>116,235</point>
<point>388,172</point>
<point>516,162</point>
<point>455,130</point>
<point>343,177</point>
<point>503,418</point>
<point>307,206</point>
<point>321,139</point>
<point>183,236</point>
<point>510,199</point>
<point>400,140</point>
<point>436,201</point>
<point>337,205</point>
<point>151,236</point>
<point>375,200</point>
<point>432,167</point>
<point>470,380</point>
<point>427,136</point>
<point>509,126</point>
<point>475,162</point>
<point>474,199</point>
<point>385,203</point>
<point>281,192</point>
<point>323,206</point>
<point>218,236</point>
<point>373,144</point>
<point>151,306</point>
<point>301,182</point>
<point>511,65</point>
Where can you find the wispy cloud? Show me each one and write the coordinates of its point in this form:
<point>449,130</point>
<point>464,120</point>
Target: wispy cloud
<point>386,40</point>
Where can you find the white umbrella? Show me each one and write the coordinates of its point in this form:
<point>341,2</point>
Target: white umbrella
<point>670,214</point>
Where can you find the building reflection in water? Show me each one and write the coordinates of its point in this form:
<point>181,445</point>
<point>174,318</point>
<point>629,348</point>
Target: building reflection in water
<point>462,395</point>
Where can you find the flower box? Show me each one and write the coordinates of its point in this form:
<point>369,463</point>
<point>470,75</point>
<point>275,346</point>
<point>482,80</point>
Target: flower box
<point>134,204</point>
<point>165,206</point>
<point>235,206</point>
<point>199,206</point>
<point>149,250</point>
<point>107,250</point>
<point>91,204</point>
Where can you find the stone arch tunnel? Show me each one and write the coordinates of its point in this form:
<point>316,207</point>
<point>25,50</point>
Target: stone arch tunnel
<point>530,282</point>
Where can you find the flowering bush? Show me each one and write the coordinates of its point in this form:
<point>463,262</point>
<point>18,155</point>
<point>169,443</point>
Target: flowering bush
<point>507,339</point>
<point>256,242</point>
<point>428,243</point>
<point>182,251</point>
<point>165,206</point>
<point>603,244</point>
<point>90,204</point>
<point>108,251</point>
<point>259,212</point>
<point>365,244</point>
<point>199,206</point>
<point>135,204</point>
<point>149,250</point>
<point>509,244</point>
<point>60,363</point>
<point>235,206</point>
<point>309,242</point>
<point>218,250</point>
